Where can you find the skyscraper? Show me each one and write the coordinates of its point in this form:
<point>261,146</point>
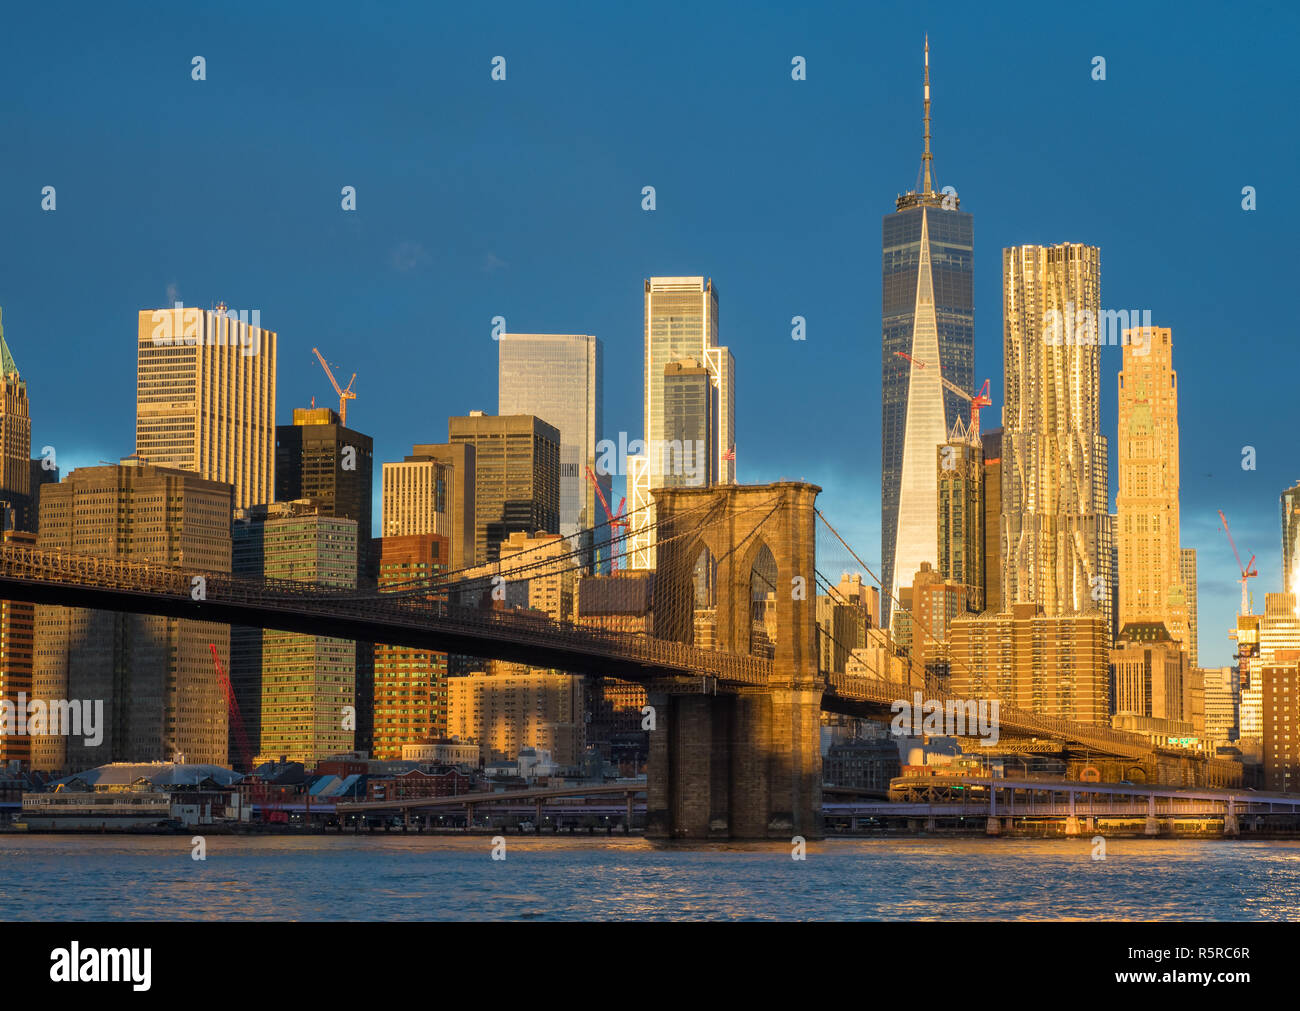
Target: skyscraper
<point>457,475</point>
<point>689,425</point>
<point>1056,530</point>
<point>960,548</point>
<point>1150,567</point>
<point>516,476</point>
<point>295,703</point>
<point>318,458</point>
<point>681,322</point>
<point>162,697</point>
<point>559,378</point>
<point>205,398</point>
<point>992,522</point>
<point>927,314</point>
<point>15,443</point>
<point>1291,540</point>
<point>1187,573</point>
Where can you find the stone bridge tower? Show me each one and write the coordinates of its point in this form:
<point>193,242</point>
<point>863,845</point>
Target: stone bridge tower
<point>738,764</point>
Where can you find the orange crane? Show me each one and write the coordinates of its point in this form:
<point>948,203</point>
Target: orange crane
<point>981,399</point>
<point>344,394</point>
<point>617,521</point>
<point>1248,571</point>
<point>232,707</point>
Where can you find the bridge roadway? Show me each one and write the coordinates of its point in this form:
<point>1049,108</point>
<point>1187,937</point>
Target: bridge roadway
<point>146,588</point>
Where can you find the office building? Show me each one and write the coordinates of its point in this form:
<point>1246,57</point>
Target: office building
<point>162,696</point>
<point>1220,705</point>
<point>318,458</point>
<point>1281,722</point>
<point>559,378</point>
<point>1148,674</point>
<point>688,426</point>
<point>15,445</point>
<point>928,315</point>
<point>961,541</point>
<point>1056,531</point>
<point>17,622</point>
<point>297,692</point>
<point>1291,540</point>
<point>516,707</point>
<point>516,476</point>
<point>205,398</point>
<point>1279,626</point>
<point>1187,576</point>
<point>542,567</point>
<point>1147,517</point>
<point>457,477</point>
<point>1051,665</point>
<point>1250,684</point>
<point>992,519</point>
<point>410,685</point>
<point>681,325</point>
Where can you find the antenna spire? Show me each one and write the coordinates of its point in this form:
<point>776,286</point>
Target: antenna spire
<point>927,158</point>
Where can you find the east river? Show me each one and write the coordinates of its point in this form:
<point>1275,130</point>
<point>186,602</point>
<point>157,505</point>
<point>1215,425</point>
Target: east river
<point>407,877</point>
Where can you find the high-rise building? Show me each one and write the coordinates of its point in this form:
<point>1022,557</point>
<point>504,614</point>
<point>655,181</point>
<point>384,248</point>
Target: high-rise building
<point>688,426</point>
<point>17,620</point>
<point>681,325</point>
<point>318,458</point>
<point>1187,575</point>
<point>1279,626</point>
<point>960,551</point>
<point>934,603</point>
<point>516,707</point>
<point>1281,722</point>
<point>156,676</point>
<point>295,690</point>
<point>15,445</point>
<point>1052,665</point>
<point>1291,540</point>
<point>457,476</point>
<point>416,498</point>
<point>992,520</point>
<point>410,685</point>
<point>928,315</point>
<point>516,476</point>
<point>1148,675</point>
<point>549,588</point>
<point>205,398</point>
<point>681,322</point>
<point>1147,533</point>
<point>1056,530</point>
<point>1220,705</point>
<point>559,378</point>
<point>1250,683</point>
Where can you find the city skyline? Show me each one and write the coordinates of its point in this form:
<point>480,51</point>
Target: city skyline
<point>500,278</point>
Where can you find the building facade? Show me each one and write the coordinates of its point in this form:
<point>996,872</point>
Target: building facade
<point>318,458</point>
<point>1056,530</point>
<point>1151,587</point>
<point>297,692</point>
<point>205,398</point>
<point>962,536</point>
<point>516,476</point>
<point>1052,665</point>
<point>516,707</point>
<point>410,685</point>
<point>161,692</point>
<point>1291,539</point>
<point>928,315</point>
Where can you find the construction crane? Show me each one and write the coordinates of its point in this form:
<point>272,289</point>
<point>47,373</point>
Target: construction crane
<point>617,521</point>
<point>1248,571</point>
<point>981,399</point>
<point>232,707</point>
<point>344,394</point>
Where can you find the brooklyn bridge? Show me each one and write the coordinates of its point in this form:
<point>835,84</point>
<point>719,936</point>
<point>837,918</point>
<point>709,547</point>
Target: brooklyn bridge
<point>735,750</point>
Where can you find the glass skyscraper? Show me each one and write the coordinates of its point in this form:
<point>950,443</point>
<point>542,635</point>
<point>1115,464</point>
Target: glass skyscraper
<point>928,314</point>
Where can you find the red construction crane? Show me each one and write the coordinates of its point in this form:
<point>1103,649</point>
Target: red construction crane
<point>1248,571</point>
<point>617,521</point>
<point>981,399</point>
<point>344,394</point>
<point>232,707</point>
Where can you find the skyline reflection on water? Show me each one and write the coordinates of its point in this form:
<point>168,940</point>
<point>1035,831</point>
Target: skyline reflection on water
<point>396,877</point>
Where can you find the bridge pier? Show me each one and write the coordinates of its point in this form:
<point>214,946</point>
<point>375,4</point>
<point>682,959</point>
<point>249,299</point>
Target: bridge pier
<point>1071,825</point>
<point>735,766</point>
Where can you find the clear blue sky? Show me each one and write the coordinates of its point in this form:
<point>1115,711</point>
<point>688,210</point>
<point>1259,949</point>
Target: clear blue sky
<point>522,199</point>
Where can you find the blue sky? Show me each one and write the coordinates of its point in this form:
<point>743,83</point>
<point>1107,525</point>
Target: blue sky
<point>522,198</point>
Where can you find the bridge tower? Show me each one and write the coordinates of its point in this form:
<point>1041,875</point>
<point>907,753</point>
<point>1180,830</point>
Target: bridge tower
<point>745,763</point>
